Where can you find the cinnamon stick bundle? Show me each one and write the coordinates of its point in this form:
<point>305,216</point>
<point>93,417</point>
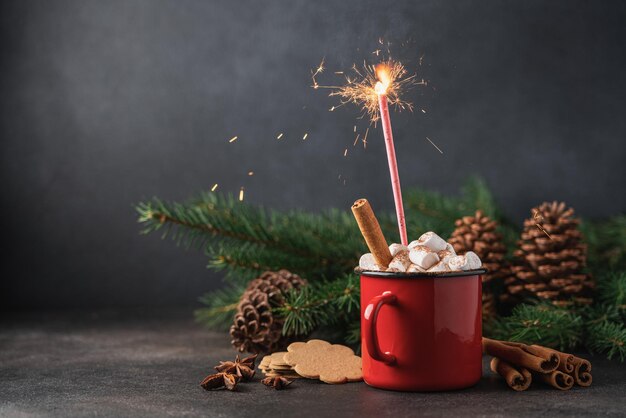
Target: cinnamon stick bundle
<point>518,379</point>
<point>370,228</point>
<point>559,370</point>
<point>539,361</point>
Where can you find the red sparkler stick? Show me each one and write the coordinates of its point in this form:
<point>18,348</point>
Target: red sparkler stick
<point>393,166</point>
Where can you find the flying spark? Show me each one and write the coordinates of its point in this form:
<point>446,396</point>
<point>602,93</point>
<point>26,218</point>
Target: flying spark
<point>356,140</point>
<point>241,194</point>
<point>345,153</point>
<point>434,145</point>
<point>214,188</point>
<point>318,70</point>
<point>251,173</point>
<point>365,138</point>
<point>304,137</point>
<point>279,136</point>
<point>233,139</point>
<point>423,111</point>
<point>354,130</point>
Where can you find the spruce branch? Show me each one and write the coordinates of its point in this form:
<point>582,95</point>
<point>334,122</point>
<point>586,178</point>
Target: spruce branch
<point>324,303</point>
<point>609,338</point>
<point>542,324</point>
<point>245,240</point>
<point>611,290</point>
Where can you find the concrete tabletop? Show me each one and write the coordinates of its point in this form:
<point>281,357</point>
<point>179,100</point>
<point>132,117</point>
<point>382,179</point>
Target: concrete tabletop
<point>149,364</point>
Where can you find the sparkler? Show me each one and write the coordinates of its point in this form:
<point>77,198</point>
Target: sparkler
<point>374,89</point>
<point>381,88</point>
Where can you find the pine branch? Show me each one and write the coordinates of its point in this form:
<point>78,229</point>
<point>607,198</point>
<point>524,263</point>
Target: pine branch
<point>540,324</point>
<point>221,306</point>
<point>320,304</point>
<point>609,338</point>
<point>244,240</point>
<point>611,290</point>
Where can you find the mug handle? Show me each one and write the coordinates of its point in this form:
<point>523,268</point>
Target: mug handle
<point>370,316</point>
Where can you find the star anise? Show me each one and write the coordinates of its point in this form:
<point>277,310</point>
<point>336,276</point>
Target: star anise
<point>219,380</point>
<point>277,382</point>
<point>242,368</point>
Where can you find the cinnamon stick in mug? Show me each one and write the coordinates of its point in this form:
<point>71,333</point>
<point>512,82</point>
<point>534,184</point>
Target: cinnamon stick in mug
<point>373,235</point>
<point>517,378</point>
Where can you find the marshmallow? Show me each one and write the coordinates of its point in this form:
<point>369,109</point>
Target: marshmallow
<point>366,262</point>
<point>400,262</point>
<point>423,257</point>
<point>394,249</point>
<point>432,241</point>
<point>458,262</point>
<point>445,255</point>
<point>414,268</point>
<point>450,247</point>
<point>473,261</point>
<point>440,267</point>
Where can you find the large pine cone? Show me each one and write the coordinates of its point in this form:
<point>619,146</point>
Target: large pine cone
<point>550,259</point>
<point>478,233</point>
<point>255,328</point>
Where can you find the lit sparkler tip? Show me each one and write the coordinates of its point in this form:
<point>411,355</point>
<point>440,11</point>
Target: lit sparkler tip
<point>214,188</point>
<point>233,139</point>
<point>241,194</point>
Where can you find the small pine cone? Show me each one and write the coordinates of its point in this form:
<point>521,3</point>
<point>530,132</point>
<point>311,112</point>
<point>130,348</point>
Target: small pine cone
<point>255,329</point>
<point>550,259</point>
<point>479,234</point>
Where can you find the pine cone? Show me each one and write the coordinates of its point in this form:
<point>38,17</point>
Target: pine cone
<point>550,259</point>
<point>255,328</point>
<point>478,233</point>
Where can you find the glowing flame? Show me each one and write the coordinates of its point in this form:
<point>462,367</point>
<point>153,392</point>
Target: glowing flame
<point>382,72</point>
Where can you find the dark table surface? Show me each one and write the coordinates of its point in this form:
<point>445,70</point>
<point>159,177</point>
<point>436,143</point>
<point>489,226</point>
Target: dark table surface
<point>150,364</point>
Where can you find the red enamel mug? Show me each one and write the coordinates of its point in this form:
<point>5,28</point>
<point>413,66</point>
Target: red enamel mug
<point>421,332</point>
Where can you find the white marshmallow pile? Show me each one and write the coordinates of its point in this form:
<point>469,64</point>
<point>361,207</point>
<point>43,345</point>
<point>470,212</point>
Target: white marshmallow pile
<point>429,253</point>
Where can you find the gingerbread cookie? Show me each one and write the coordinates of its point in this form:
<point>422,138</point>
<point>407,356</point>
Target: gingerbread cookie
<point>330,363</point>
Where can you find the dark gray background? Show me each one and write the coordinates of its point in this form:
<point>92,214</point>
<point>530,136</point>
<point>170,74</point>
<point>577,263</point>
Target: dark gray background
<point>107,103</point>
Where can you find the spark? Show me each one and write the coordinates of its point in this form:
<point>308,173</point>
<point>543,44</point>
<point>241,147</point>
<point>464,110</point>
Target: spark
<point>214,188</point>
<point>318,70</point>
<point>365,138</point>
<point>356,140</point>
<point>339,72</point>
<point>376,52</point>
<point>538,217</point>
<point>251,173</point>
<point>345,153</point>
<point>360,87</point>
<point>241,194</point>
<point>280,135</point>
<point>354,130</point>
<point>423,111</point>
<point>233,139</point>
<point>305,135</point>
<point>434,145</point>
<point>380,41</point>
